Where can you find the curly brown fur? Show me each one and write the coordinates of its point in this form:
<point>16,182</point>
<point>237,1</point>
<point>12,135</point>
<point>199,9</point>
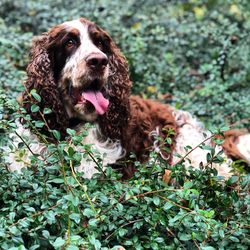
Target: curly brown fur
<point>41,78</point>
<point>113,123</point>
<point>145,117</point>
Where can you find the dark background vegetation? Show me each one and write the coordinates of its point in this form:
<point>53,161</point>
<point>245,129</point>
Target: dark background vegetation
<point>196,50</point>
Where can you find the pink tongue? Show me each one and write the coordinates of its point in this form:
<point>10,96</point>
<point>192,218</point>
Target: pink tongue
<point>97,99</point>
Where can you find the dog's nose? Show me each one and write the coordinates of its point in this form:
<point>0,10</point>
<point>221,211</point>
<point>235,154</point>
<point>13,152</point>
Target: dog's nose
<point>97,61</point>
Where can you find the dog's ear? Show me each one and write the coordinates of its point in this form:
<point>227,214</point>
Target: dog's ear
<point>112,123</point>
<point>41,80</point>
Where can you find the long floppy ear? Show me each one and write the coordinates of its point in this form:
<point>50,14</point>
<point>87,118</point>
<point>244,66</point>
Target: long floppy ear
<point>41,78</point>
<point>115,120</point>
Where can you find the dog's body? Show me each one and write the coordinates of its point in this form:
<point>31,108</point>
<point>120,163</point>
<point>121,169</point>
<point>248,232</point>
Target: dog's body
<point>80,74</point>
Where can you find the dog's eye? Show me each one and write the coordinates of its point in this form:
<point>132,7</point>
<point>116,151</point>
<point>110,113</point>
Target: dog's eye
<point>99,43</point>
<point>70,43</point>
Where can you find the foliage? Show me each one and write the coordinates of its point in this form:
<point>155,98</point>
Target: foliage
<point>50,206</point>
<point>197,51</point>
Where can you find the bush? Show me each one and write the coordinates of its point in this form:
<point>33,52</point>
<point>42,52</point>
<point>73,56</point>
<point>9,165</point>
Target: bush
<point>197,51</point>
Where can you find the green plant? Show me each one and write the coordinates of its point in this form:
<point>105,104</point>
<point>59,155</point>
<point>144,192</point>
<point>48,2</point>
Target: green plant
<point>197,51</point>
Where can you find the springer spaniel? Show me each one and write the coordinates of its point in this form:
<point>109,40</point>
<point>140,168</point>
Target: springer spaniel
<point>81,75</point>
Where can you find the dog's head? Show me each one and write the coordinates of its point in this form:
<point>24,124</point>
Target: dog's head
<point>80,54</point>
<point>78,72</point>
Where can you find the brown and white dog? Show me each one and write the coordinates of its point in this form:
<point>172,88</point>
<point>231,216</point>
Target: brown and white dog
<point>82,76</point>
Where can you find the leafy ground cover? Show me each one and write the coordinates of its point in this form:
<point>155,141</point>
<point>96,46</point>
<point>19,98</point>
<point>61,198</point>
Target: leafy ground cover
<point>198,51</point>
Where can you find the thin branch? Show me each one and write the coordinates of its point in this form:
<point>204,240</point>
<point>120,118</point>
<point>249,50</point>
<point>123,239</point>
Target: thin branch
<point>155,191</point>
<point>124,225</point>
<point>173,235</point>
<point>95,161</point>
<point>189,152</point>
<point>121,201</point>
<point>34,215</point>
<point>196,244</point>
<point>176,204</point>
<point>20,137</point>
<point>83,188</point>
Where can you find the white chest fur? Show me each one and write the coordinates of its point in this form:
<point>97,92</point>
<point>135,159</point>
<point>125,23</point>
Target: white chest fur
<point>103,152</point>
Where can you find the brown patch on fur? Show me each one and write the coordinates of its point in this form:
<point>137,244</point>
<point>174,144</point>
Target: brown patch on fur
<point>144,117</point>
<point>75,32</point>
<point>231,138</point>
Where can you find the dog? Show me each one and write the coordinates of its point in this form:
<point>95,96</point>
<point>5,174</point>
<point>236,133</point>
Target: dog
<point>81,76</point>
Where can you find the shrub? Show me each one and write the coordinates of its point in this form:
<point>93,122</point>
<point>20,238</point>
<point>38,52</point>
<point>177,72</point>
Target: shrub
<point>197,51</point>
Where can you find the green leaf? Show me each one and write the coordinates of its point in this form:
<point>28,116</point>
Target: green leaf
<point>167,206</point>
<point>234,239</point>
<point>34,247</point>
<point>93,222</point>
<point>50,216</point>
<point>71,151</point>
<point>12,216</point>
<point>34,108</point>
<point>56,134</point>
<point>188,185</point>
<point>76,217</point>
<point>159,239</point>
<point>103,198</point>
<point>88,212</point>
<point>46,234</point>
<point>138,225</point>
<point>221,233</point>
<point>39,124</point>
<point>35,95</point>
<point>72,247</point>
<point>120,207</point>
<point>225,128</point>
<point>59,242</point>
<point>47,111</point>
<point>208,248</point>
<point>122,232</point>
<point>210,214</point>
<point>14,230</point>
<point>71,181</point>
<point>56,180</point>
<point>232,180</point>
<point>156,200</point>
<point>169,140</point>
<point>209,157</point>
<point>75,238</point>
<point>205,213</point>
<point>93,241</point>
<point>71,132</point>
<point>73,199</point>
<point>20,247</point>
<point>184,237</point>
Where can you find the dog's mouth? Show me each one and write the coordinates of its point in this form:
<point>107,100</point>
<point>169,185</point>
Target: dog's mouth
<point>90,98</point>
